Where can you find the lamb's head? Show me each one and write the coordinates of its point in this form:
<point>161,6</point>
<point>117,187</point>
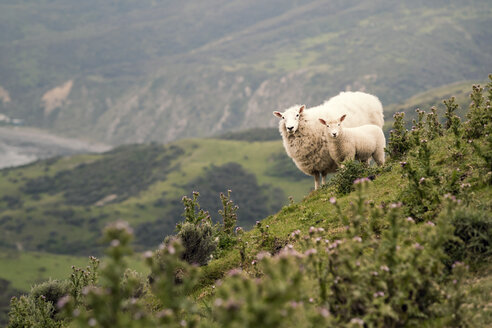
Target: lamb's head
<point>291,118</point>
<point>334,127</point>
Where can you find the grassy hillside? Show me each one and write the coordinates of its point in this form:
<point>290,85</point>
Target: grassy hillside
<point>139,71</point>
<point>60,205</point>
<point>411,246</point>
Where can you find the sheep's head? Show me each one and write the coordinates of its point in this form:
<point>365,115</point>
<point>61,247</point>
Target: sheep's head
<point>334,127</point>
<point>291,118</point>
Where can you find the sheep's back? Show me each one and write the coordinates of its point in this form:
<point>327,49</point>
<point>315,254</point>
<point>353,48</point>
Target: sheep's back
<point>361,108</point>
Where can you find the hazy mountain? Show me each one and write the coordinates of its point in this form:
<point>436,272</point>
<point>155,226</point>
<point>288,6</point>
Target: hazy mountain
<point>143,70</point>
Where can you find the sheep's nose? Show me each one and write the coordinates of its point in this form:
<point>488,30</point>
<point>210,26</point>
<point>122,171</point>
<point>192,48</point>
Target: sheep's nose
<point>334,134</point>
<point>290,128</point>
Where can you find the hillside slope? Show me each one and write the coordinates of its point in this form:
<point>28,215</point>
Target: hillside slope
<point>138,71</point>
<point>406,244</point>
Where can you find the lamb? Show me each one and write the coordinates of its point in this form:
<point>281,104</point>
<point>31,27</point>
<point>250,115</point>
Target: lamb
<point>304,139</point>
<point>362,142</point>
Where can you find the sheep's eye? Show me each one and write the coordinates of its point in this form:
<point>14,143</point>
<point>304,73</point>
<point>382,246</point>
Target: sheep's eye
<point>338,124</point>
<point>297,115</point>
<point>327,126</point>
<point>283,117</point>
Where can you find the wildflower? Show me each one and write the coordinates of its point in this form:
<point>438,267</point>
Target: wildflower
<point>148,254</point>
<point>375,273</point>
<point>324,312</point>
<point>63,301</point>
<point>234,272</point>
<point>171,249</point>
<point>384,268</point>
<point>115,243</point>
<point>422,179</point>
<point>92,322</point>
<point>409,219</point>
<point>311,230</point>
<point>261,255</point>
<point>238,230</point>
<point>432,224</point>
<point>357,238</point>
<point>357,321</point>
<point>455,264</point>
<point>361,180</point>
<point>395,205</point>
<point>310,252</point>
<point>418,246</point>
<point>333,200</point>
<point>378,294</point>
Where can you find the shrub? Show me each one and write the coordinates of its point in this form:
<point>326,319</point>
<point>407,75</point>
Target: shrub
<point>198,241</point>
<point>398,144</point>
<point>343,180</point>
<point>473,232</point>
<point>51,290</point>
<point>480,112</point>
<point>27,311</point>
<point>228,213</point>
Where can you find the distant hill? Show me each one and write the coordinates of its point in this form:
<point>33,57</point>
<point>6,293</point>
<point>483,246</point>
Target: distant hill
<point>59,205</point>
<point>140,70</point>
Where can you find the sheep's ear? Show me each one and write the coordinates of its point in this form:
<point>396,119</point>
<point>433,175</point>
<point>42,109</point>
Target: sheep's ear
<point>278,114</point>
<point>302,108</point>
<point>343,117</point>
<point>322,121</point>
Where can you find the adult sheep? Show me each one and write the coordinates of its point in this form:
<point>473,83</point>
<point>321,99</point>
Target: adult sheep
<point>304,138</point>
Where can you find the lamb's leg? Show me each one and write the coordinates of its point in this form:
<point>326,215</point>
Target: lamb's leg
<point>316,181</point>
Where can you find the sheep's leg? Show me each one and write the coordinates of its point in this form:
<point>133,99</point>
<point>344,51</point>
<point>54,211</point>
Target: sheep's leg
<point>323,179</point>
<point>316,181</point>
<point>379,157</point>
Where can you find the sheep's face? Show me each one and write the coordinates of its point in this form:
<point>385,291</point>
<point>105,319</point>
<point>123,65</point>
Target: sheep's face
<point>333,127</point>
<point>291,118</point>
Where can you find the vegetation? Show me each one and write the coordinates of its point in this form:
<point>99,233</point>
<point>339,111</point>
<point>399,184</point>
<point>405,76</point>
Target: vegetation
<point>369,257</point>
<point>226,69</point>
<point>61,205</point>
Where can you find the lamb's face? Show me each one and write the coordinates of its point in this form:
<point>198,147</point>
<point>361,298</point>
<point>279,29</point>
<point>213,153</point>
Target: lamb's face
<point>333,127</point>
<point>291,118</point>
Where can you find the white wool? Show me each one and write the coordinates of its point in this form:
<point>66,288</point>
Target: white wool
<point>361,143</point>
<point>307,145</point>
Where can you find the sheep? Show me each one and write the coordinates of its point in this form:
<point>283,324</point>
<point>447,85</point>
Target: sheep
<point>362,142</point>
<point>304,138</point>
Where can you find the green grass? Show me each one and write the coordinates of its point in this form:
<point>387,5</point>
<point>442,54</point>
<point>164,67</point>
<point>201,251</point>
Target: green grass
<point>49,216</point>
<point>24,269</point>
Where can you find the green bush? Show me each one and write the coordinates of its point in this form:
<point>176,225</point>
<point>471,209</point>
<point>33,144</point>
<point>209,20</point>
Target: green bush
<point>398,143</point>
<point>343,180</point>
<point>51,290</point>
<point>198,242</point>
<point>473,232</point>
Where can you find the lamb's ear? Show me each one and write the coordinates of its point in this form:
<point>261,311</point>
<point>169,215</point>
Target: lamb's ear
<point>322,121</point>
<point>278,114</point>
<point>302,108</point>
<point>343,117</point>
